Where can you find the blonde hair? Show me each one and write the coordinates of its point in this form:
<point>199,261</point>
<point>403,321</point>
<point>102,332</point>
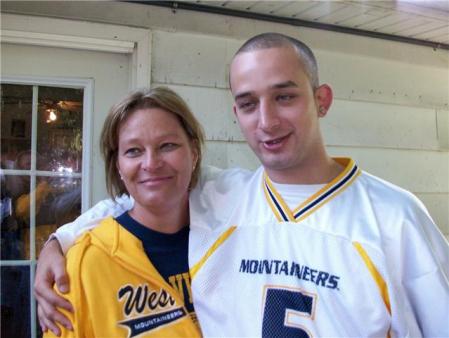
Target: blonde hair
<point>159,97</point>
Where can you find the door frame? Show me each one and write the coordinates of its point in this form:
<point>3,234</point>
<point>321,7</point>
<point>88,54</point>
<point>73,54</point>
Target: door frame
<point>39,31</point>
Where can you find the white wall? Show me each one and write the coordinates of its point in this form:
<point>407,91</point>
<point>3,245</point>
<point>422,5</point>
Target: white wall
<point>390,113</point>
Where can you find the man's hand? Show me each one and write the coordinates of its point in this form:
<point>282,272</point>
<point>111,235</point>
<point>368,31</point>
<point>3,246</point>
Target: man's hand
<point>50,270</point>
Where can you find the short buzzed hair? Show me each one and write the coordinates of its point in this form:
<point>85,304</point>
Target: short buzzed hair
<point>276,40</point>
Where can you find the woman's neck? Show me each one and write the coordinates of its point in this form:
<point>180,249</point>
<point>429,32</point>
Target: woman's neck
<point>166,220</point>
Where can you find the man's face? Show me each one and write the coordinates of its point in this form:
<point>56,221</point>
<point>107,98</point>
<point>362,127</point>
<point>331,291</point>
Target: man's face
<point>277,110</point>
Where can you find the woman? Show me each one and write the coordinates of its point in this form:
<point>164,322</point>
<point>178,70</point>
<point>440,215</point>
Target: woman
<point>129,276</point>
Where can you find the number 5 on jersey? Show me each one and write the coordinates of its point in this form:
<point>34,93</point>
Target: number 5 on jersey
<point>284,311</point>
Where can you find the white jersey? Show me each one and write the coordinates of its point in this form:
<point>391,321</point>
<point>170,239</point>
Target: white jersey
<point>359,258</point>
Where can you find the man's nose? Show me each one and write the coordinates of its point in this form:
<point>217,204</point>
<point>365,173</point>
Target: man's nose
<point>269,118</point>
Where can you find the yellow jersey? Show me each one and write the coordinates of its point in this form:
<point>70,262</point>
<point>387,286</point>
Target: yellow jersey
<point>117,292</point>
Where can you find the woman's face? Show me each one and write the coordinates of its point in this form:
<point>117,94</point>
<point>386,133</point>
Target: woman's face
<point>155,160</point>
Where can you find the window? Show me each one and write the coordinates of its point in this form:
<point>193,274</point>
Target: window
<point>42,172</point>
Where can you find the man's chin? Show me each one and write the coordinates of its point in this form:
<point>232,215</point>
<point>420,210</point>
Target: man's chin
<point>275,162</point>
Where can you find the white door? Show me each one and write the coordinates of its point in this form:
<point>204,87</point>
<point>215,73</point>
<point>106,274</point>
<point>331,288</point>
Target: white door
<point>54,102</point>
<point>110,73</point>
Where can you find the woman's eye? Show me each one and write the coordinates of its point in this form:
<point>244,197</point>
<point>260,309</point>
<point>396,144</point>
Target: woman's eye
<point>169,146</point>
<point>132,152</point>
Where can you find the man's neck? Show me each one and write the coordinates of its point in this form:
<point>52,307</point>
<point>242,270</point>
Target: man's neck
<point>318,172</point>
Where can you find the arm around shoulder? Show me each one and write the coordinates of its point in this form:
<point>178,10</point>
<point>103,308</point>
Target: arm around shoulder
<point>80,316</point>
<point>68,233</point>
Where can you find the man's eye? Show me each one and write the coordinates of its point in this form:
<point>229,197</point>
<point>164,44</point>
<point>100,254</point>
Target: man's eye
<point>285,97</point>
<point>246,106</point>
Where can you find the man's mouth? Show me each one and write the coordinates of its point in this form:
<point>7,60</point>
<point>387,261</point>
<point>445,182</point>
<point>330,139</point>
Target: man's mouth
<point>275,143</point>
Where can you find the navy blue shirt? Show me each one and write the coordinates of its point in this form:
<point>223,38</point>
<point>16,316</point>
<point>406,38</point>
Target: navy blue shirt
<point>167,252</point>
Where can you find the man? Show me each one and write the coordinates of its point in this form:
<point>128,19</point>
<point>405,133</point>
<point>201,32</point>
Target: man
<point>307,245</point>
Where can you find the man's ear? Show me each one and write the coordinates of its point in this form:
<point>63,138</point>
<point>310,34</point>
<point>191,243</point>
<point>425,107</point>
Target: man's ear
<point>323,99</point>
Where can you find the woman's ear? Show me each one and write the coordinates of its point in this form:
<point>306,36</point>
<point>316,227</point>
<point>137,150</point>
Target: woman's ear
<point>194,156</point>
<point>118,170</point>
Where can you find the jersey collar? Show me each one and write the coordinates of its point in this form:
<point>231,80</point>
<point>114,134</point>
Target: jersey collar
<point>284,214</point>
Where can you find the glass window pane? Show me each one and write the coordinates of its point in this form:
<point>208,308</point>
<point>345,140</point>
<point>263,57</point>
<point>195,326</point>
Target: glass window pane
<point>16,109</point>
<point>25,193</point>
<point>58,201</point>
<point>15,301</point>
<point>15,216</point>
<point>59,130</point>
